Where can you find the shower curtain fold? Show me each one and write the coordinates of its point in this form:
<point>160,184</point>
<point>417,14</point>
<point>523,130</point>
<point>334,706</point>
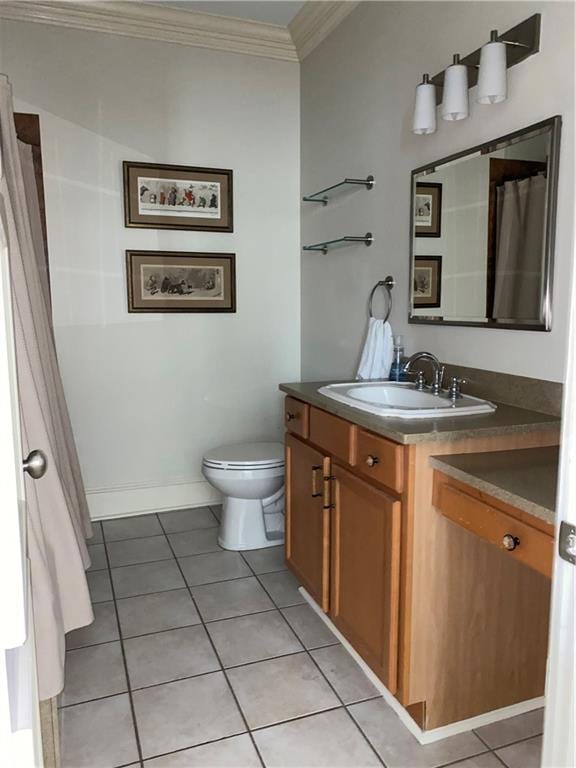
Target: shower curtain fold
<point>57,514</point>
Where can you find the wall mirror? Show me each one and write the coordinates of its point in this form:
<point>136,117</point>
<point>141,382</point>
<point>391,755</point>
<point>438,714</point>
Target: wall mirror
<point>482,233</point>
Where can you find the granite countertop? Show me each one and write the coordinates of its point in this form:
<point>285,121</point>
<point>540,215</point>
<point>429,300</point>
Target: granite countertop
<point>524,478</point>
<point>506,420</point>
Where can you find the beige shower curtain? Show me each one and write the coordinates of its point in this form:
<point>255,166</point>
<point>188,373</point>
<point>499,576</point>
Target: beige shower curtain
<point>58,520</point>
<point>520,249</point>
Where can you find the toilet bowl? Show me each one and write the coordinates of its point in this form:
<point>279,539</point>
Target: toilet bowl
<point>250,476</point>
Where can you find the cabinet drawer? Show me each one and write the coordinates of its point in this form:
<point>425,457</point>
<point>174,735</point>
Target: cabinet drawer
<point>332,434</point>
<point>297,417</point>
<point>380,459</point>
<point>532,547</point>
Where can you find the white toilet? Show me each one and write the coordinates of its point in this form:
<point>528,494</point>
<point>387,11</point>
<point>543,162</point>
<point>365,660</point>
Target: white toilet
<point>251,478</point>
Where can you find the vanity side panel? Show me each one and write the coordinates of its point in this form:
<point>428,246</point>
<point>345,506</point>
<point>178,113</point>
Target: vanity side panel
<point>457,659</point>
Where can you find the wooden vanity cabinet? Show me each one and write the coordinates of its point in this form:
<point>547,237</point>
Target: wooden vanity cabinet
<point>365,571</point>
<point>308,518</point>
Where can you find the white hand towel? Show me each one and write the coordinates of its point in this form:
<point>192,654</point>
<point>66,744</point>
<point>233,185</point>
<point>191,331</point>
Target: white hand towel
<point>378,351</point>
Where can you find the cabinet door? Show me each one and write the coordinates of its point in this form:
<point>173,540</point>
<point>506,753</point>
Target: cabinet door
<point>365,562</point>
<point>308,518</point>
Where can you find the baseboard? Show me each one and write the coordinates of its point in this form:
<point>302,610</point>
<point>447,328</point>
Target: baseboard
<point>107,503</point>
<point>436,734</point>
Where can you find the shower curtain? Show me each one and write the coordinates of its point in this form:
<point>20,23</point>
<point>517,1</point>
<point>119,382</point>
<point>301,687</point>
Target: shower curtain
<point>520,249</point>
<point>57,513</point>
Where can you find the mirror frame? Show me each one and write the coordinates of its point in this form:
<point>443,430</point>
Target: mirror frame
<point>555,125</point>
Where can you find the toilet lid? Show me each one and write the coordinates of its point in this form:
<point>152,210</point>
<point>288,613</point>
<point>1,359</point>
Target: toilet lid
<point>246,455</point>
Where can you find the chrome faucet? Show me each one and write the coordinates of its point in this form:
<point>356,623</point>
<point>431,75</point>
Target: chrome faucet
<point>437,368</point>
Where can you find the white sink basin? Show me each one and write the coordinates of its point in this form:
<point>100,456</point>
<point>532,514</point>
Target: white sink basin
<point>403,401</point>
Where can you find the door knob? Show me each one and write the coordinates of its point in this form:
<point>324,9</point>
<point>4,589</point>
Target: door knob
<point>510,542</point>
<point>35,464</point>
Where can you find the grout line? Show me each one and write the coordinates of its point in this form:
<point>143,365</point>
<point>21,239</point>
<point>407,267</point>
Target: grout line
<point>143,562</point>
<point>463,759</point>
<point>121,640</point>
<point>308,651</point>
<point>232,692</point>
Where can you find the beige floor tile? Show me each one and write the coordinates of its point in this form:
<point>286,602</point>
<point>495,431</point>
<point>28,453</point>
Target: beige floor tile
<point>145,578</point>
<point>186,713</point>
<point>231,598</point>
<point>104,628</point>
<point>93,672</point>
<point>525,754</point>
<point>344,674</point>
<point>399,749</point>
<point>214,566</point>
<point>328,740</point>
<point>131,527</point>
<point>170,655</point>
<point>266,560</point>
<point>282,588</point>
<point>512,729</point>
<point>154,613</point>
<point>253,638</point>
<point>187,519</point>
<point>235,752</point>
<point>280,689</point>
<point>133,551</point>
<point>309,627</point>
<point>98,734</point>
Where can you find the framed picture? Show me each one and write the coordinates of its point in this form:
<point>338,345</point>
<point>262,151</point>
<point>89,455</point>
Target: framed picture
<point>427,282</point>
<point>428,210</point>
<point>178,197</point>
<point>175,281</point>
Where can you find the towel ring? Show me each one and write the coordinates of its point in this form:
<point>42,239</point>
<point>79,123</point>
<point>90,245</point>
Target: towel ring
<point>388,284</point>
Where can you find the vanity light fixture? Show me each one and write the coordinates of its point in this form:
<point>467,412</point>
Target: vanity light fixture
<point>492,78</point>
<point>455,98</point>
<point>424,120</point>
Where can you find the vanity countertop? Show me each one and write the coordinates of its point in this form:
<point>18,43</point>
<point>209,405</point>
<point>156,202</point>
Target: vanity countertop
<point>524,478</point>
<point>506,420</point>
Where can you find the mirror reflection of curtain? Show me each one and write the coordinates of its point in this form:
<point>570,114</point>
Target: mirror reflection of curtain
<point>519,250</point>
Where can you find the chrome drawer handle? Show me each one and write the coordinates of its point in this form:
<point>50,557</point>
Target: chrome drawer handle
<point>372,460</point>
<point>290,416</point>
<point>510,542</point>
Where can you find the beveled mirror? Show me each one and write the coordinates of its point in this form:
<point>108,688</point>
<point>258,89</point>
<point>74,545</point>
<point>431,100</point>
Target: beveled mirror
<point>482,233</point>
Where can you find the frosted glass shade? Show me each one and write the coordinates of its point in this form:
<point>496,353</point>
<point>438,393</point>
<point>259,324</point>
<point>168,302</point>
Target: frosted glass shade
<point>455,99</point>
<point>424,120</point>
<point>492,79</point>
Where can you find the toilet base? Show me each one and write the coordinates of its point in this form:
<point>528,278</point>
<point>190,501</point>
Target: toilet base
<point>242,526</point>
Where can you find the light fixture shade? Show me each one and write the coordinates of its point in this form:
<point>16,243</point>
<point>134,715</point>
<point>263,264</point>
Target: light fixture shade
<point>455,99</point>
<point>492,79</point>
<point>424,120</point>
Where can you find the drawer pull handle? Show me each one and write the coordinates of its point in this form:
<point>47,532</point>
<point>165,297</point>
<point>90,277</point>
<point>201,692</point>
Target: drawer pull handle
<point>510,542</point>
<point>372,460</point>
<point>290,416</point>
<point>315,492</point>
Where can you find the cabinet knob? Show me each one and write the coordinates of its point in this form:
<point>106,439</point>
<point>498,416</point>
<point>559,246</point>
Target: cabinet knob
<point>372,460</point>
<point>290,416</point>
<point>510,542</point>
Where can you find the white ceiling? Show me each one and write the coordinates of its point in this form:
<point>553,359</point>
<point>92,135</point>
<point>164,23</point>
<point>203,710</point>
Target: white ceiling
<point>270,11</point>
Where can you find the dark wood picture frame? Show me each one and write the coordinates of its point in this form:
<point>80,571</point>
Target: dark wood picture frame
<point>169,272</point>
<point>434,299</point>
<point>434,191</point>
<point>186,184</point>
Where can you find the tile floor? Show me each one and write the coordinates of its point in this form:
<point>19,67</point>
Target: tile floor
<point>204,658</point>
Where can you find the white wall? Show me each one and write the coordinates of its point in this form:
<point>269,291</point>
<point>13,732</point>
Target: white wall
<point>357,98</point>
<point>148,394</point>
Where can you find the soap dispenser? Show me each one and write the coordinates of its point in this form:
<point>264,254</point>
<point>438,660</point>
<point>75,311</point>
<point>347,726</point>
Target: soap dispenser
<point>397,369</point>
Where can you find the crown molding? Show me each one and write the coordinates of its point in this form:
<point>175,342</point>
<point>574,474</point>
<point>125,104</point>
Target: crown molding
<point>167,24</point>
<point>315,21</point>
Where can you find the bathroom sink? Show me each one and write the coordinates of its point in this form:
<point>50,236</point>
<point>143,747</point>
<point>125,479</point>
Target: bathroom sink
<point>403,401</point>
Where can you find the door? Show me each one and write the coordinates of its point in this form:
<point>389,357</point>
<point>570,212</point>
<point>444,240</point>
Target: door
<point>364,601</point>
<point>308,518</point>
<point>20,741</point>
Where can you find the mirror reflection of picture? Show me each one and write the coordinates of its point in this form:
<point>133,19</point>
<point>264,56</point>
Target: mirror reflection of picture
<point>427,281</point>
<point>427,210</point>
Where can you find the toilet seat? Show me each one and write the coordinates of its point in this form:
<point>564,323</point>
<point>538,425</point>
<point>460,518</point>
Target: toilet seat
<point>246,456</point>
